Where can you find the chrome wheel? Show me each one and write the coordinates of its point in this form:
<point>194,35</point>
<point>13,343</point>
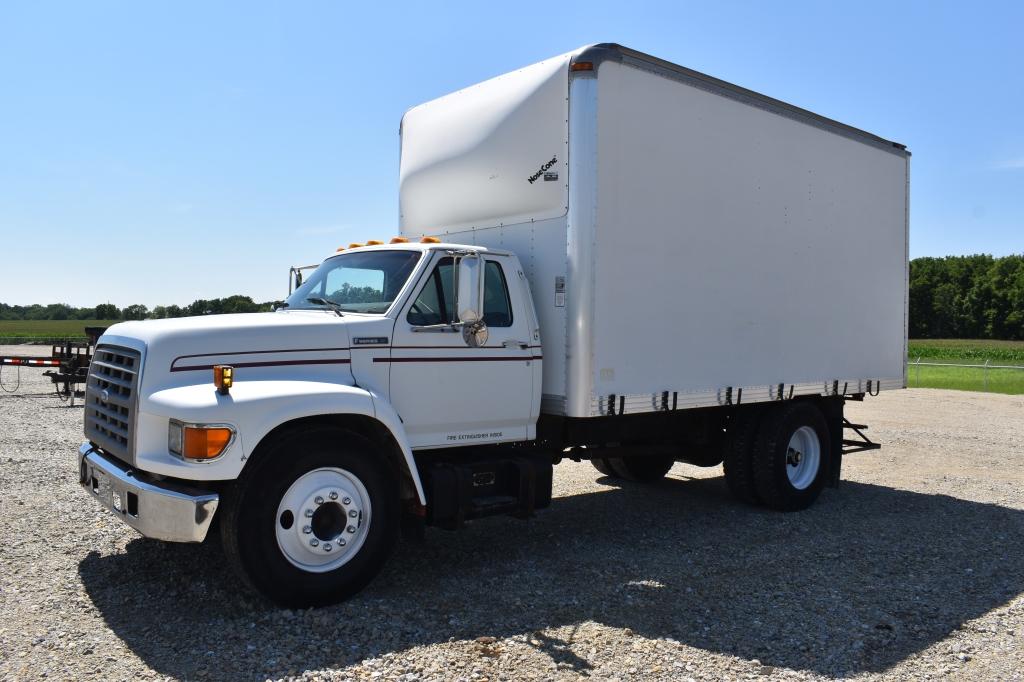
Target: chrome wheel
<point>323,519</point>
<point>803,457</point>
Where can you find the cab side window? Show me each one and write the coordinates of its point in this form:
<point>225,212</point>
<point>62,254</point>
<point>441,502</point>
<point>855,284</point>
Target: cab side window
<point>436,302</point>
<point>497,307</point>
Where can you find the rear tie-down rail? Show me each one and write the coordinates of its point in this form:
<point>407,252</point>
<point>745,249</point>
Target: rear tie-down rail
<point>864,443</point>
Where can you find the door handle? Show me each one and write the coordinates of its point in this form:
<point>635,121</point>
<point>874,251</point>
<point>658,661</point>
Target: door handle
<point>510,344</point>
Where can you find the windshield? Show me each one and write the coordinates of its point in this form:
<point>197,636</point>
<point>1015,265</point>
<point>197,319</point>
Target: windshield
<point>365,282</point>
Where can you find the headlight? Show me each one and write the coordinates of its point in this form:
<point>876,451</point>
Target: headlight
<point>198,442</point>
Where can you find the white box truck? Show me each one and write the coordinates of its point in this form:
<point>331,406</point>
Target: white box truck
<point>603,256</point>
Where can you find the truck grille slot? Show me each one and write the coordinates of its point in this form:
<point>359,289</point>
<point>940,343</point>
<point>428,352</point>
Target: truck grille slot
<point>110,400</point>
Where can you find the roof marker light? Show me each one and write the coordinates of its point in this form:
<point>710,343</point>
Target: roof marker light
<point>373,242</point>
<point>430,240</point>
<point>398,240</point>
<point>354,245</point>
<point>340,249</point>
<point>582,66</point>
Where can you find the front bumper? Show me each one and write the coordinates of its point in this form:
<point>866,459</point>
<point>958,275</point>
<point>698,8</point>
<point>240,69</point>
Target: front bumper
<point>163,510</point>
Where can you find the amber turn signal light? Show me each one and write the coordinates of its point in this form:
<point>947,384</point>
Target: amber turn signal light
<point>223,378</point>
<point>200,442</point>
<point>205,442</point>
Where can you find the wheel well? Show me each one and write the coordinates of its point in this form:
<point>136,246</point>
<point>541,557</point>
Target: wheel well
<point>369,428</point>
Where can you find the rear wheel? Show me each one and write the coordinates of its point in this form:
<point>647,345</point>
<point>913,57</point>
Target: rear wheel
<point>312,523</point>
<point>641,469</point>
<point>791,456</point>
<point>602,466</point>
<point>738,452</point>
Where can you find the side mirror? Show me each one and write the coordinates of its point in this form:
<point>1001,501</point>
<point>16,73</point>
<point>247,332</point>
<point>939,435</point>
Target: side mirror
<point>469,294</point>
<point>469,300</point>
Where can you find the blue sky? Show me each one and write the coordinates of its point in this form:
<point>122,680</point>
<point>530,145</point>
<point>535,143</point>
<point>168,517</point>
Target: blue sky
<point>161,152</point>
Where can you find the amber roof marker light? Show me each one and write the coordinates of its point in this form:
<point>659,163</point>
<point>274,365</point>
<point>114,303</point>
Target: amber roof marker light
<point>223,378</point>
<point>430,240</point>
<point>398,240</point>
<point>581,66</point>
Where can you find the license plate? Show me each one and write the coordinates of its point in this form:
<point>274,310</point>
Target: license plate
<point>105,491</point>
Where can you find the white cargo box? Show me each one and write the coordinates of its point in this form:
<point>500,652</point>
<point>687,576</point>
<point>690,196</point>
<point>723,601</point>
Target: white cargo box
<point>689,243</point>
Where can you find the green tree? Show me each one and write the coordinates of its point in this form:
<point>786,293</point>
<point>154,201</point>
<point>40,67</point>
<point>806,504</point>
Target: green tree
<point>107,311</point>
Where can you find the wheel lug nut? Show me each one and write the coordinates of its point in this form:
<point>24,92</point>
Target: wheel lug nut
<point>351,529</point>
<point>319,500</point>
<point>353,513</point>
<point>334,495</point>
<point>314,542</point>
<point>308,513</point>
<point>327,547</point>
<point>307,529</point>
<point>347,500</point>
<point>341,542</point>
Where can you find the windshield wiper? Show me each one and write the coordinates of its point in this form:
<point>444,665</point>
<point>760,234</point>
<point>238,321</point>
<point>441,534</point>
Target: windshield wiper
<point>327,303</point>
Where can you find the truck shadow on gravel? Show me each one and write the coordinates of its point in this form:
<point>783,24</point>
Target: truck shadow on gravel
<point>861,581</point>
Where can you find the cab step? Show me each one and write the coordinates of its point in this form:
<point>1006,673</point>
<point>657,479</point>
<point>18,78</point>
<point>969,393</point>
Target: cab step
<point>466,489</point>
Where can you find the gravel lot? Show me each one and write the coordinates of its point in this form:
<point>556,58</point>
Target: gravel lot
<point>913,568</point>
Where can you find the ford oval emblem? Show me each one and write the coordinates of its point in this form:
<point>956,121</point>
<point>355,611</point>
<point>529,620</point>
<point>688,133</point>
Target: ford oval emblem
<point>104,395</point>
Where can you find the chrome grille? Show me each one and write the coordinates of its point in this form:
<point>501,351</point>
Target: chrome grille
<point>110,400</point>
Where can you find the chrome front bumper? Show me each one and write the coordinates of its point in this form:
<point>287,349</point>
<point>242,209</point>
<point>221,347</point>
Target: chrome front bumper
<point>163,510</point>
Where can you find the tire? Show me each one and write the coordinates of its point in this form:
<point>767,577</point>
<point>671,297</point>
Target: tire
<point>737,455</point>
<point>641,469</point>
<point>791,456</point>
<point>602,466</point>
<point>313,518</point>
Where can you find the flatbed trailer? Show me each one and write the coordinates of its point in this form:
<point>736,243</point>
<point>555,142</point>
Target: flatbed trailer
<point>69,362</point>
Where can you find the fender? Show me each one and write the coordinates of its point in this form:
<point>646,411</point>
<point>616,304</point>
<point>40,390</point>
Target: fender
<point>387,416</point>
<point>254,409</point>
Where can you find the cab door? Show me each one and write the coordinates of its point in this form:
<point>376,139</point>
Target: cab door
<point>448,393</point>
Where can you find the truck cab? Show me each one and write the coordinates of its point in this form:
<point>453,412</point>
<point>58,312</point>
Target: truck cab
<point>384,349</point>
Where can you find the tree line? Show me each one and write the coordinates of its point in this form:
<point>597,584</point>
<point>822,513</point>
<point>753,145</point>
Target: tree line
<point>138,311</point>
<point>967,297</point>
<point>956,297</point>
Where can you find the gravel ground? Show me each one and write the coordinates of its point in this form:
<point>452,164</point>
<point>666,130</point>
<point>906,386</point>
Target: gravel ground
<point>913,568</point>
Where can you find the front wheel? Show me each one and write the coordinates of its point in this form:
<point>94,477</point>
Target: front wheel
<point>314,519</point>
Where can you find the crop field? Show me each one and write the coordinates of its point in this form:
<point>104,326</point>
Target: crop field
<point>967,352</point>
<point>46,331</point>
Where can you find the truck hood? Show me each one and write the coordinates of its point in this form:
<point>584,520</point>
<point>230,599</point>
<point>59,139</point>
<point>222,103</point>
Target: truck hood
<point>175,350</point>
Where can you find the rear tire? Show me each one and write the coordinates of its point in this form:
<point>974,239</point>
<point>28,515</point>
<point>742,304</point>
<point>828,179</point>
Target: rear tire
<point>641,469</point>
<point>313,518</point>
<point>602,466</point>
<point>737,459</point>
<point>791,456</point>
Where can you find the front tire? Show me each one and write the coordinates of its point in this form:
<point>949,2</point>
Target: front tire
<point>313,518</point>
<point>790,463</point>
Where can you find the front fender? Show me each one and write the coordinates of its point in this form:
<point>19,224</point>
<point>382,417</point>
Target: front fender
<point>253,408</point>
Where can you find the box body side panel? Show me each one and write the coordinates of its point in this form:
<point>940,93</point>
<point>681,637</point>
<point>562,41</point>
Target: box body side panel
<point>736,247</point>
